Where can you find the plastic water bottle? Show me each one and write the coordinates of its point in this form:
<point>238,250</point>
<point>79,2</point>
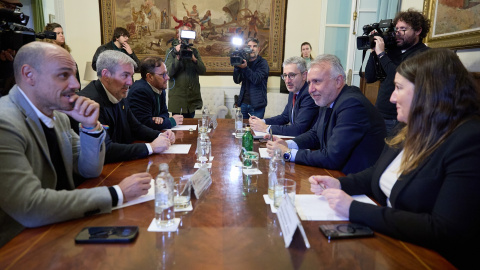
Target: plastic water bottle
<point>164,208</point>
<point>205,116</point>
<point>238,123</point>
<point>276,171</point>
<point>204,148</point>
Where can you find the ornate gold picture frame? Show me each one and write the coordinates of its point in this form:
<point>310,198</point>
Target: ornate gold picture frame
<point>454,24</point>
<point>152,24</point>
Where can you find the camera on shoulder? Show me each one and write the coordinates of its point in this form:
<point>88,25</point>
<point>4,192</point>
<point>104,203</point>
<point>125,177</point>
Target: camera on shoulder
<point>13,32</point>
<point>384,29</point>
<point>185,47</point>
<point>238,55</point>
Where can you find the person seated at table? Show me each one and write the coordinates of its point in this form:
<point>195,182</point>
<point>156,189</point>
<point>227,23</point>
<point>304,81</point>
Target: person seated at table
<point>300,112</point>
<point>349,133</point>
<point>147,96</point>
<point>427,179</point>
<point>115,70</point>
<point>40,153</point>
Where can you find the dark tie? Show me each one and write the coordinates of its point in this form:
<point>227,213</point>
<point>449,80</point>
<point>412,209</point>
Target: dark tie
<point>293,104</point>
<point>326,119</point>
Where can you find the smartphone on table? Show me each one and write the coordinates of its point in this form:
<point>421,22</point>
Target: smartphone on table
<point>345,230</point>
<point>108,234</point>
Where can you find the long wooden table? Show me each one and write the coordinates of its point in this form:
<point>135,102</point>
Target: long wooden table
<point>227,229</point>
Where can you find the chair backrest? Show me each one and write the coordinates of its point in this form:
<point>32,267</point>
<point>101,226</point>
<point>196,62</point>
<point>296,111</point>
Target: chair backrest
<point>214,99</point>
<point>276,104</point>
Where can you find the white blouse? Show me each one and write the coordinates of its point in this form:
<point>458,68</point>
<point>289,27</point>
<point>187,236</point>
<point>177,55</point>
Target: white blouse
<point>390,177</point>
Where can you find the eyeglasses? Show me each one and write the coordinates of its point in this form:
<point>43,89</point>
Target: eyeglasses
<point>164,74</point>
<point>291,76</point>
<point>401,29</point>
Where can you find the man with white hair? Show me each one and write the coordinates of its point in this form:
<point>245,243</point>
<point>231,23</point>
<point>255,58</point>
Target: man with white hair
<point>348,135</point>
<point>115,70</point>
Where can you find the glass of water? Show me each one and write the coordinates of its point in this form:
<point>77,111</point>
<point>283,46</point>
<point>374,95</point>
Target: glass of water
<point>283,186</point>
<point>181,193</point>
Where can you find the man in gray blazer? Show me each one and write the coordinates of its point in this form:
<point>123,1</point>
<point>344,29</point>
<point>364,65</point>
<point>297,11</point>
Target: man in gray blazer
<point>40,153</point>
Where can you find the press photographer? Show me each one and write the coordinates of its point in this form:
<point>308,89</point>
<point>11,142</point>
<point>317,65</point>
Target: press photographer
<point>410,29</point>
<point>238,55</point>
<point>184,64</point>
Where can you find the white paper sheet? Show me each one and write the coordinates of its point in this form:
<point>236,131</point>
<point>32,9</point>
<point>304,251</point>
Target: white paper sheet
<point>144,198</point>
<point>259,133</point>
<point>178,149</point>
<point>263,153</point>
<point>314,207</point>
<point>184,127</point>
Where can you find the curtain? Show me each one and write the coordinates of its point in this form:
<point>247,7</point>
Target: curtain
<point>387,9</point>
<point>38,17</point>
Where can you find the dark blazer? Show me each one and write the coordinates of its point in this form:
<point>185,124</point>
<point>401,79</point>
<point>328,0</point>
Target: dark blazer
<point>122,129</point>
<point>437,205</point>
<point>305,114</point>
<point>146,104</point>
<point>254,80</point>
<point>350,139</point>
<point>111,46</point>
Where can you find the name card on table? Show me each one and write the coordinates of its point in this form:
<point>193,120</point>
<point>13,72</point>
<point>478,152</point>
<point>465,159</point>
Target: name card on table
<point>201,180</point>
<point>289,222</point>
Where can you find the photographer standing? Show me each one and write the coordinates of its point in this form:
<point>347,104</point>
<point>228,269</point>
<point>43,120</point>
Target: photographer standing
<point>184,96</point>
<point>253,76</point>
<point>410,29</point>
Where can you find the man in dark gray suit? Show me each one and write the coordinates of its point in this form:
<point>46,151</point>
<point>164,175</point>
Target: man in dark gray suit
<point>348,135</point>
<point>40,153</point>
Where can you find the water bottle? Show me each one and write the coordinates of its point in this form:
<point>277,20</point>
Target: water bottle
<point>204,148</point>
<point>205,115</point>
<point>247,140</point>
<point>238,123</point>
<point>276,171</point>
<point>164,208</point>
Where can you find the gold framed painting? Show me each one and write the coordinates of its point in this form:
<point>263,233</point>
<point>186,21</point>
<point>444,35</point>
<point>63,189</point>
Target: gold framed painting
<point>455,24</point>
<point>153,24</point>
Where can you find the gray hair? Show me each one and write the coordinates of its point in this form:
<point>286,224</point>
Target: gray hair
<point>299,61</point>
<point>111,59</point>
<point>336,67</point>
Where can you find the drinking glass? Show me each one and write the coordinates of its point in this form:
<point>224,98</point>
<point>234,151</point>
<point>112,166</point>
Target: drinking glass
<point>182,191</point>
<point>283,186</point>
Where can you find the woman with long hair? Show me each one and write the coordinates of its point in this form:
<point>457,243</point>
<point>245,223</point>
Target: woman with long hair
<point>306,53</point>
<point>428,178</point>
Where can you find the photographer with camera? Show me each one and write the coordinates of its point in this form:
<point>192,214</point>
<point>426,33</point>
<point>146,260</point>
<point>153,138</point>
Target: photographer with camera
<point>410,29</point>
<point>253,75</point>
<point>184,64</point>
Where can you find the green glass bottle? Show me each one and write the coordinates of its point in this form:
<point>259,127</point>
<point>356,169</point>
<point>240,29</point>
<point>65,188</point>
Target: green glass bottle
<point>247,139</point>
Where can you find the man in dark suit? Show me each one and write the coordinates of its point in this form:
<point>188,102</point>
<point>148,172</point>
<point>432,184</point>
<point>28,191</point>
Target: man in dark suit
<point>40,153</point>
<point>115,71</point>
<point>348,135</point>
<point>147,96</point>
<point>301,112</point>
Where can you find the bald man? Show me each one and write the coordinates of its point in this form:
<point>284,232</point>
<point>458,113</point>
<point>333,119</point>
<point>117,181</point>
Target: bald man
<point>40,153</point>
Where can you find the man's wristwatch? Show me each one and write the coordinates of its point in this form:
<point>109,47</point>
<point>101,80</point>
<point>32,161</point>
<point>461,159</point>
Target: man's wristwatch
<point>287,155</point>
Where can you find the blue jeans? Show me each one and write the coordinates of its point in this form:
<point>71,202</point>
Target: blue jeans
<point>248,109</point>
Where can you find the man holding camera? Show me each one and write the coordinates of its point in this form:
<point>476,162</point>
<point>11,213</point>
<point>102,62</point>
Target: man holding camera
<point>410,29</point>
<point>184,64</point>
<point>253,75</point>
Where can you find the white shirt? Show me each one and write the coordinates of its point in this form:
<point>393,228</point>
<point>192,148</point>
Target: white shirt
<point>390,176</point>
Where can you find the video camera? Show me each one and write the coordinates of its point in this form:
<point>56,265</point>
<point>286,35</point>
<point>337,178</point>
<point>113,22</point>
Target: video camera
<point>238,55</point>
<point>384,29</point>
<point>185,49</point>
<point>14,34</point>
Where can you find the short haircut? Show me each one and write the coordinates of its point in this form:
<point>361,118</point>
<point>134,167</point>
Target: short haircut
<point>299,61</point>
<point>149,64</point>
<point>336,67</point>
<point>33,54</point>
<point>111,59</point>
<point>415,19</point>
<point>252,39</point>
<point>118,32</point>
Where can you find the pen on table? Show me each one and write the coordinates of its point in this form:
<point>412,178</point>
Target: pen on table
<point>149,165</point>
<point>181,110</point>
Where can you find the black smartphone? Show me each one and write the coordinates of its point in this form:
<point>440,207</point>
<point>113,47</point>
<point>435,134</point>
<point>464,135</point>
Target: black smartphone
<point>110,234</point>
<point>349,230</point>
